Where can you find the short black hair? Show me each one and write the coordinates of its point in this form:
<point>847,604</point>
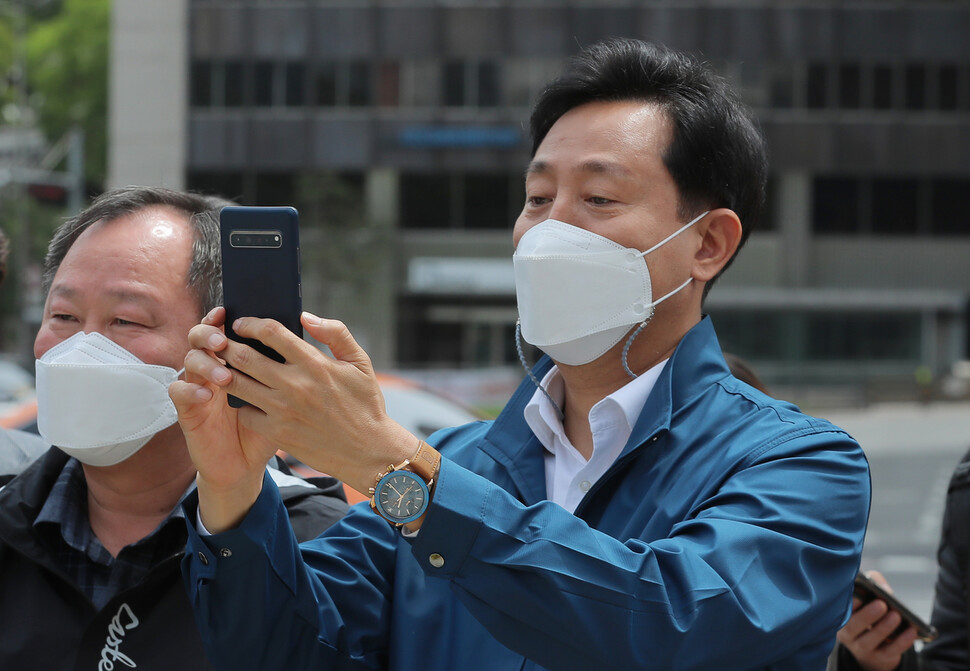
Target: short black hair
<point>717,156</point>
<point>202,211</point>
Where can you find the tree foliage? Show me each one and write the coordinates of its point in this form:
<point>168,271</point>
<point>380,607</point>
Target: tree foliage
<point>67,76</point>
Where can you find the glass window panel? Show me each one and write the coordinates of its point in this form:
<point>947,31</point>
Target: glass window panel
<point>295,74</point>
<point>948,87</point>
<point>486,202</point>
<point>325,84</point>
<point>454,84</point>
<point>200,84</point>
<point>835,205</point>
<point>275,189</point>
<point>816,92</point>
<point>420,83</point>
<point>882,87</point>
<point>388,85</point>
<point>781,87</point>
<point>263,90</point>
<point>895,206</point>
<point>949,207</point>
<point>234,88</point>
<point>488,84</point>
<point>915,87</point>
<point>425,200</point>
<point>850,86</point>
<point>860,337</point>
<point>359,84</point>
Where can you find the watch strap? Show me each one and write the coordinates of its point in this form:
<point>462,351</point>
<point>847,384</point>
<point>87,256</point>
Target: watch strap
<point>425,464</point>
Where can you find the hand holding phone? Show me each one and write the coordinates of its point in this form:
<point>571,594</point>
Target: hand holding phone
<point>261,270</point>
<point>867,589</point>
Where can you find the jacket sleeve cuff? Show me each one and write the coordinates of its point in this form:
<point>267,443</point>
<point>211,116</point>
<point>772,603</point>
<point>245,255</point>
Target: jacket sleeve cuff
<point>453,521</point>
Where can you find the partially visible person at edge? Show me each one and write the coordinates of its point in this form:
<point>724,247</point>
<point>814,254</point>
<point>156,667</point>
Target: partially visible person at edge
<point>91,533</point>
<point>867,642</point>
<point>17,448</point>
<point>640,509</point>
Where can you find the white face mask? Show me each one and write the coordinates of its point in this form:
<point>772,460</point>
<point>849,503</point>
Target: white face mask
<point>98,402</point>
<point>579,293</point>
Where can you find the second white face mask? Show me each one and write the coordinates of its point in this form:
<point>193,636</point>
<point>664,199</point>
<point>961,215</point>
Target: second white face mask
<point>98,402</point>
<point>578,292</point>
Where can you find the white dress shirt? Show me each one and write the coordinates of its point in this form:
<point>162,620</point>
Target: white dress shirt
<point>568,474</point>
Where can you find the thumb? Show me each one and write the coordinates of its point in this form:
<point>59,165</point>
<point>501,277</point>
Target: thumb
<point>335,335</point>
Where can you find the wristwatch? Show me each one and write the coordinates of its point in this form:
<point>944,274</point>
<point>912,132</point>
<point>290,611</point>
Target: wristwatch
<point>403,492</point>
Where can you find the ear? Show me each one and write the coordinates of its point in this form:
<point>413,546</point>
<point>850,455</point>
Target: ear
<point>720,235</point>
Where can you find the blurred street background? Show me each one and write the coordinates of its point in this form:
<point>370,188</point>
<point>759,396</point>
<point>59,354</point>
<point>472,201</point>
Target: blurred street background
<point>398,128</point>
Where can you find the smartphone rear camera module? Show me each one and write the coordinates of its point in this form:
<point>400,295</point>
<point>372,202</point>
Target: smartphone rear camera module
<point>256,239</point>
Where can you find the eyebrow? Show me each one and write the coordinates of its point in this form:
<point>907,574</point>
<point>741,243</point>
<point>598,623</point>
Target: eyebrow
<point>70,293</point>
<point>592,166</point>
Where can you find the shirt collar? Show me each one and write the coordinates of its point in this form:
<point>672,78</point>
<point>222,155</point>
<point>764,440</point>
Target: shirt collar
<point>66,509</point>
<point>626,402</point>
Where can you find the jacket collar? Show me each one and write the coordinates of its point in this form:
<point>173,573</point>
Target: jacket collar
<point>695,365</point>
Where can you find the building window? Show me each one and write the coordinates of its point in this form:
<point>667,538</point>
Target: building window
<point>817,86</point>
<point>234,84</point>
<point>460,201</point>
<point>949,207</point>
<point>836,205</point>
<point>325,84</point>
<point>915,87</point>
<point>263,89</point>
<point>342,84</point>
<point>357,82</point>
<point>895,206</point>
<point>471,84</point>
<point>294,85</point>
<point>948,88</point>
<point>882,87</point>
<point>200,84</point>
<point>850,86</point>
<point>389,85</point>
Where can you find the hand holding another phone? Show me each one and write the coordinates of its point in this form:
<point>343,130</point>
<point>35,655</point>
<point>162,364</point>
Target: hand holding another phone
<point>881,628</point>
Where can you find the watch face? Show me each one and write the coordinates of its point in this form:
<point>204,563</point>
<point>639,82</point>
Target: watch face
<point>401,496</point>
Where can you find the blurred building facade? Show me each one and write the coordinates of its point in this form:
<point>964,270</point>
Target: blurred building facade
<point>400,130</point>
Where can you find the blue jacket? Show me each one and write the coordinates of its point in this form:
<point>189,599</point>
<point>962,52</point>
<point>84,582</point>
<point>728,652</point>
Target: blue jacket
<point>726,536</point>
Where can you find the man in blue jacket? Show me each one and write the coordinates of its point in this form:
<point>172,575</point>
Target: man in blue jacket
<point>633,507</point>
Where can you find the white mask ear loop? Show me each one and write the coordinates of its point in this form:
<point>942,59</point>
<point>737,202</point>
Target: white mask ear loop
<point>535,380</point>
<point>676,233</point>
<point>643,324</point>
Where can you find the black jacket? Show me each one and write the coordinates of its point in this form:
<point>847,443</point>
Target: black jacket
<point>48,623</point>
<point>951,605</point>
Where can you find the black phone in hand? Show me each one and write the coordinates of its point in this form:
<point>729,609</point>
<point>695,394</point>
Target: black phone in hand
<point>261,270</point>
<point>867,589</point>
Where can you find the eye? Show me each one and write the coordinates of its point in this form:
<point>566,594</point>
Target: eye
<point>599,200</point>
<point>125,322</point>
<point>63,317</point>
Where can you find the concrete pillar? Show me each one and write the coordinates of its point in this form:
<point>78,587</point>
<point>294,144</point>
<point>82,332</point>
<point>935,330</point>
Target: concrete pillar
<point>367,302</point>
<point>793,214</point>
<point>147,93</point>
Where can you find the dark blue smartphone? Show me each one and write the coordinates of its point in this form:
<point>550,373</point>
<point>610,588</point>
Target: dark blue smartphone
<point>261,270</point>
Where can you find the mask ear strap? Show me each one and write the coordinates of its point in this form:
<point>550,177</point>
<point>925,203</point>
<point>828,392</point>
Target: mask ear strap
<point>643,325</point>
<point>535,380</point>
<point>677,232</point>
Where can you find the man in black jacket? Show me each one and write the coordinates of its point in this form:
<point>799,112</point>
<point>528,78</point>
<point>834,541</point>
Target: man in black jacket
<point>91,534</point>
<point>865,642</point>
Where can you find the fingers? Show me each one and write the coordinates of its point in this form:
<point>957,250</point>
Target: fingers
<point>864,619</point>
<point>869,636</point>
<point>335,335</point>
